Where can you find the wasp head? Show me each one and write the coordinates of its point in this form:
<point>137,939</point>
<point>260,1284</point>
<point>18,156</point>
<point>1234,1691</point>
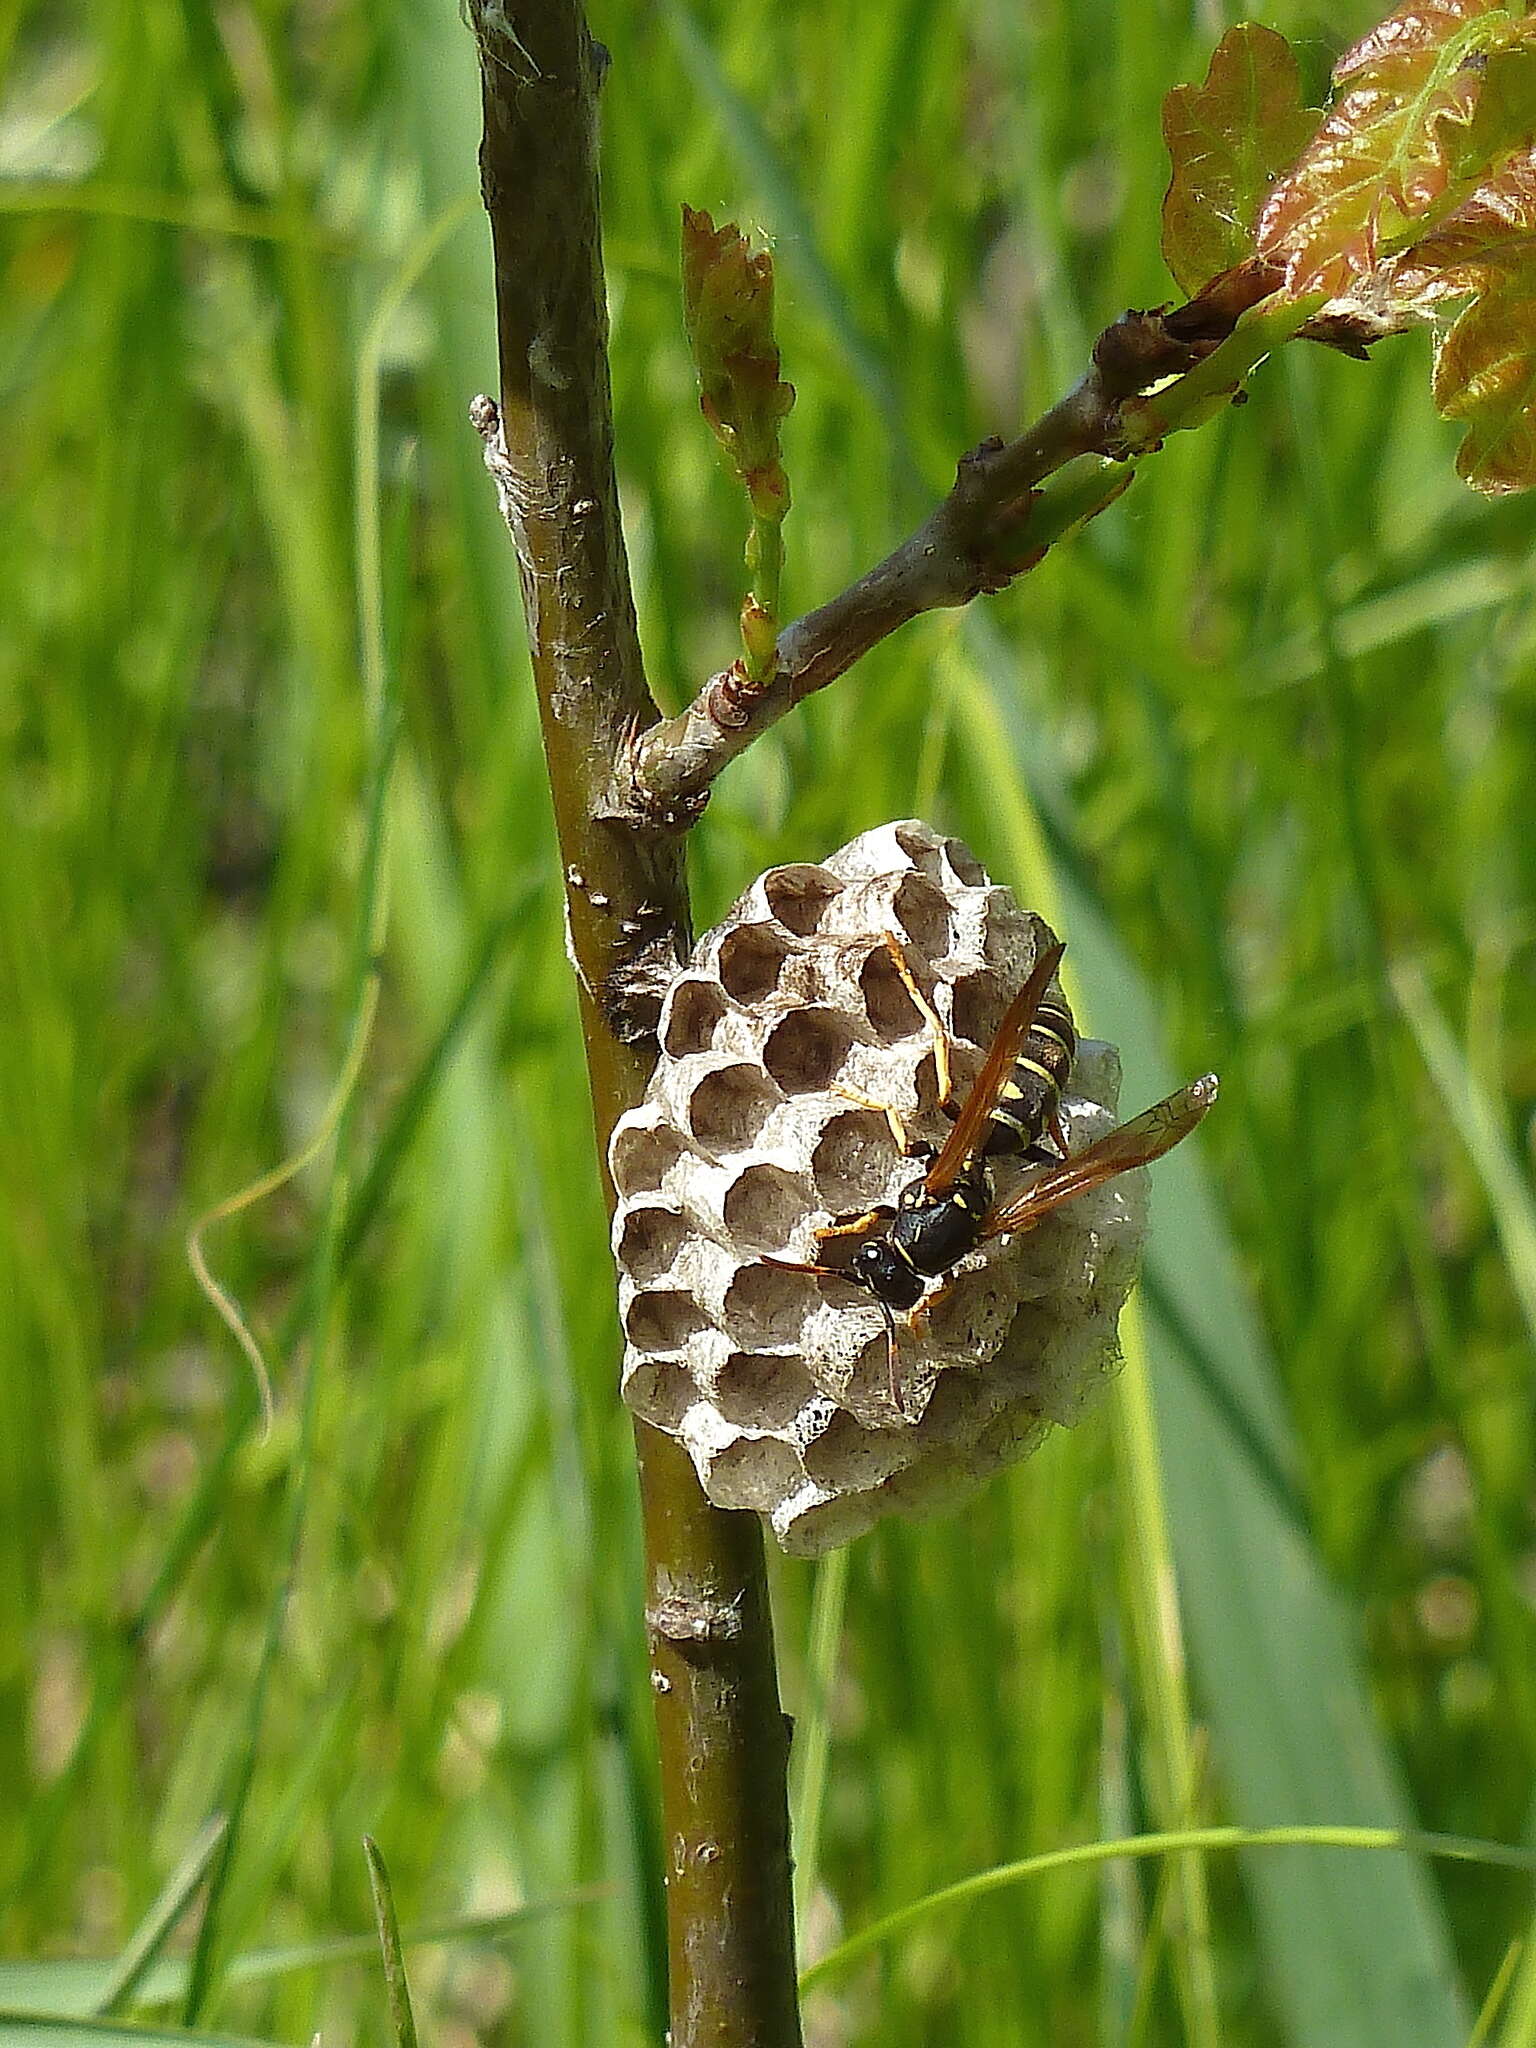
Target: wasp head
<point>879,1267</point>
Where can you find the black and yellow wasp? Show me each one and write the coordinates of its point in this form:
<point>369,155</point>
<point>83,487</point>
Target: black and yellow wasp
<point>951,1207</point>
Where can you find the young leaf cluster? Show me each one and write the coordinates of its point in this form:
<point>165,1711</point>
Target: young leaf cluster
<point>728,312</point>
<point>1410,194</point>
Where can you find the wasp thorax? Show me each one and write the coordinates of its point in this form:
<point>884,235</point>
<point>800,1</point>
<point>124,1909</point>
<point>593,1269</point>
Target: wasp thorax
<point>798,1092</point>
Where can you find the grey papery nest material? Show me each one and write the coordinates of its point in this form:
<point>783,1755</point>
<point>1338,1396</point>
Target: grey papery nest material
<point>778,1383</point>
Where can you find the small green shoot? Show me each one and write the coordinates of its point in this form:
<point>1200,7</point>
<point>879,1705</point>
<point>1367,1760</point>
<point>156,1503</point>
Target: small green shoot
<point>728,312</point>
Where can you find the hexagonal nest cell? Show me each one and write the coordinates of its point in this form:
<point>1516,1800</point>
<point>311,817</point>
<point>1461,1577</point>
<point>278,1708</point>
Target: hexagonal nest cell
<point>794,1057</point>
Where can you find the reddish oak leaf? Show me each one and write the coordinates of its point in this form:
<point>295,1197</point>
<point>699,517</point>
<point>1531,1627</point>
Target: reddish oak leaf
<point>1485,374</point>
<point>728,312</point>
<point>1484,159</point>
<point>1391,144</point>
<point>1228,139</point>
<point>1485,366</point>
<point>1504,118</point>
<point>1492,233</point>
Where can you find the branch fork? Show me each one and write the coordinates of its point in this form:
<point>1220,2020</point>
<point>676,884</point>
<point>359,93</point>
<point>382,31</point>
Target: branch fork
<point>994,525</point>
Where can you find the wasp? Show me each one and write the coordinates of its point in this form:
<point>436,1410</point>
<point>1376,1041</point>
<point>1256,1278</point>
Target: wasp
<point>952,1207</point>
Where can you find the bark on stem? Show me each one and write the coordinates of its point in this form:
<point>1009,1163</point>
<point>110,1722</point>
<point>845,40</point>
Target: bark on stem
<point>549,446</point>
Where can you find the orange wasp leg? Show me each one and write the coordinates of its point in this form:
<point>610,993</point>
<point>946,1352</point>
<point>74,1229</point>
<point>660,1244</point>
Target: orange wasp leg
<point>892,1116</point>
<point>930,1017</point>
<point>857,1224</point>
<point>941,1060</point>
<point>918,1318</point>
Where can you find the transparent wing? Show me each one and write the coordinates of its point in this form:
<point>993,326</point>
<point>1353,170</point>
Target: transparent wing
<point>1146,1137</point>
<point>990,1082</point>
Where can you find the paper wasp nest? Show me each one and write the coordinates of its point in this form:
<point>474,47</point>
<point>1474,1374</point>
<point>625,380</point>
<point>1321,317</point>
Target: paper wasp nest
<point>778,1383</point>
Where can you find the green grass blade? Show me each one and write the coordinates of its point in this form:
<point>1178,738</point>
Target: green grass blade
<point>813,1728</point>
<point>402,2021</point>
<point>1355,1945</point>
<point>159,1923</point>
<point>1519,2028</point>
<point>1160,1655</point>
<point>1493,2004</point>
<point>371,917</point>
<point>73,1989</point>
<point>38,2030</point>
<point>1353,1841</point>
<point>1482,1130</point>
<point>420,1092</point>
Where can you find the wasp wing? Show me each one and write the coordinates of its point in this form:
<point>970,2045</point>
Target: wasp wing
<point>1146,1137</point>
<point>1001,1059</point>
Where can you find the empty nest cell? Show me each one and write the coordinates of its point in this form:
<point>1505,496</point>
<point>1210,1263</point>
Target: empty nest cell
<point>754,1472</point>
<point>888,1003</point>
<point>649,1240</point>
<point>661,1391</point>
<point>923,914</point>
<point>977,1004</point>
<point>963,864</point>
<point>764,1207</point>
<point>750,961</point>
<point>869,1396</point>
<point>852,1162</point>
<point>765,1306</point>
<point>663,1319</point>
<point>729,1106</point>
<point>812,1523</point>
<point>693,1010</point>
<point>799,896</point>
<point>1010,943</point>
<point>640,1158</point>
<point>756,1390</point>
<point>805,1052</point>
<point>847,1457</point>
<point>921,847</point>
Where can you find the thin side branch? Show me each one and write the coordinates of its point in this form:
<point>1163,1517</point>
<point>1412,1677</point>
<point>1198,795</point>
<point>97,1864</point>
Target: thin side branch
<point>999,519</point>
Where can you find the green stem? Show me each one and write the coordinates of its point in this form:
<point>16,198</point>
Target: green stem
<point>1190,400</point>
<point>723,1745</point>
<point>760,614</point>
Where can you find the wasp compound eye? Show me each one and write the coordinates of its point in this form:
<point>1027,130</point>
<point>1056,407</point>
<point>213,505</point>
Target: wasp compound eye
<point>809,1302</point>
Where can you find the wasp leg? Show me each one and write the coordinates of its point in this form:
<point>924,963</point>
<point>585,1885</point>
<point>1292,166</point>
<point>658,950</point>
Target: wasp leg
<point>930,1017</point>
<point>917,1318</point>
<point>799,1266</point>
<point>1040,1154</point>
<point>909,1147</point>
<point>857,1223</point>
<point>892,1116</point>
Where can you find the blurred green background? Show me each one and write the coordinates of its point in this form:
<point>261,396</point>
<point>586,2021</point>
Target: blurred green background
<point>1263,740</point>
